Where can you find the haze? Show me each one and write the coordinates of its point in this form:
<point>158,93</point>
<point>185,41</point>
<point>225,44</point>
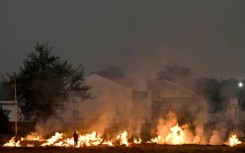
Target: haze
<point>139,36</point>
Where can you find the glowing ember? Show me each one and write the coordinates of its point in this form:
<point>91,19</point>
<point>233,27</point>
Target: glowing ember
<point>233,140</point>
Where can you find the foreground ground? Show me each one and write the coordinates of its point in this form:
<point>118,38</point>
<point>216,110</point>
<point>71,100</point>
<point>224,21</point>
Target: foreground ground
<point>135,149</point>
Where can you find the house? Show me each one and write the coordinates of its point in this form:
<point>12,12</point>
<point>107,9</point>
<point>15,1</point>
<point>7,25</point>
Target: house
<point>234,111</point>
<point>143,99</point>
<point>107,97</point>
<point>109,100</point>
<point>9,108</point>
<point>167,96</point>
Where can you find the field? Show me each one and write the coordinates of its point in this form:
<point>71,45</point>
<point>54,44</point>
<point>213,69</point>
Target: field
<point>134,149</point>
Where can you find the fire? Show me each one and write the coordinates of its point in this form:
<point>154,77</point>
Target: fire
<point>54,140</point>
<point>137,141</point>
<point>233,140</point>
<point>108,143</point>
<point>168,132</point>
<point>123,138</point>
<point>176,136</point>
<point>33,137</point>
<point>93,139</point>
<point>155,140</point>
<point>59,140</point>
<point>13,142</point>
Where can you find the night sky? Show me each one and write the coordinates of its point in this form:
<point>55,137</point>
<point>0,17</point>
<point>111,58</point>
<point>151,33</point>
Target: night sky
<point>139,36</point>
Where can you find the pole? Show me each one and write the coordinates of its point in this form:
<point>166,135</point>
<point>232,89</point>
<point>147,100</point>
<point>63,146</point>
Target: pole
<point>16,107</point>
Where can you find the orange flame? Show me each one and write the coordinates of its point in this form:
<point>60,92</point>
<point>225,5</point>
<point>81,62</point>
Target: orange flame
<point>168,132</point>
<point>137,141</point>
<point>92,139</point>
<point>33,136</point>
<point>12,143</point>
<point>233,140</point>
<point>123,138</point>
<point>176,136</point>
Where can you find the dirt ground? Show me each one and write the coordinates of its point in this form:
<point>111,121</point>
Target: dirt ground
<point>135,149</point>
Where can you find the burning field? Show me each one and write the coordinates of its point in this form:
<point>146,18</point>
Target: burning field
<point>167,135</point>
<point>94,143</point>
<point>170,138</point>
<point>176,137</point>
<point>168,132</point>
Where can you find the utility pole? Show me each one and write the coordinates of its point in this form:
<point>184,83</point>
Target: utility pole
<point>16,106</point>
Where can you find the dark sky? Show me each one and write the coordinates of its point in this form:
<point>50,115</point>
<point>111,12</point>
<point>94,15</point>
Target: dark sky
<point>140,36</point>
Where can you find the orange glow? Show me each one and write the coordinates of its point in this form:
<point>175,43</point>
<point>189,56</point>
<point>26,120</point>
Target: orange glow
<point>233,140</point>
<point>12,143</point>
<point>123,138</point>
<point>168,132</point>
<point>137,141</point>
<point>176,136</point>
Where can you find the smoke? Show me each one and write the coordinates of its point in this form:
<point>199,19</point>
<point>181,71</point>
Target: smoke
<point>50,126</point>
<point>127,105</point>
<point>143,39</point>
<point>109,111</point>
<point>218,135</point>
<point>199,123</point>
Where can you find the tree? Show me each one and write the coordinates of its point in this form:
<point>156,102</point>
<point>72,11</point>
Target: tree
<point>5,95</point>
<point>210,89</point>
<point>4,115</point>
<point>217,92</point>
<point>45,83</point>
<point>111,72</point>
<point>177,74</point>
<point>6,91</point>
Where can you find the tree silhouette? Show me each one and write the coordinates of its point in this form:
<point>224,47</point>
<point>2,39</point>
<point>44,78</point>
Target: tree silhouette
<point>45,83</point>
<point>177,74</point>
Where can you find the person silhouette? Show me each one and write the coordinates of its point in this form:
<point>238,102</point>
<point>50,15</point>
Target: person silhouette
<point>75,137</point>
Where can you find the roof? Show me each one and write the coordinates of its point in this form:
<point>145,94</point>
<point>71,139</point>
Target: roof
<point>164,88</point>
<point>158,88</point>
<point>98,79</point>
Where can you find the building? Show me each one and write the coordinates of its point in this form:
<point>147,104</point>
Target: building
<point>9,108</point>
<point>234,111</point>
<point>167,96</point>
<point>142,99</point>
<point>107,97</point>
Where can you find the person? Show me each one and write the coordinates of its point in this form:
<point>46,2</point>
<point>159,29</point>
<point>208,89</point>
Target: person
<point>75,137</point>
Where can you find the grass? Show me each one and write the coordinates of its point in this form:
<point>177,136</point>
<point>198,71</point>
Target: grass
<point>135,149</point>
